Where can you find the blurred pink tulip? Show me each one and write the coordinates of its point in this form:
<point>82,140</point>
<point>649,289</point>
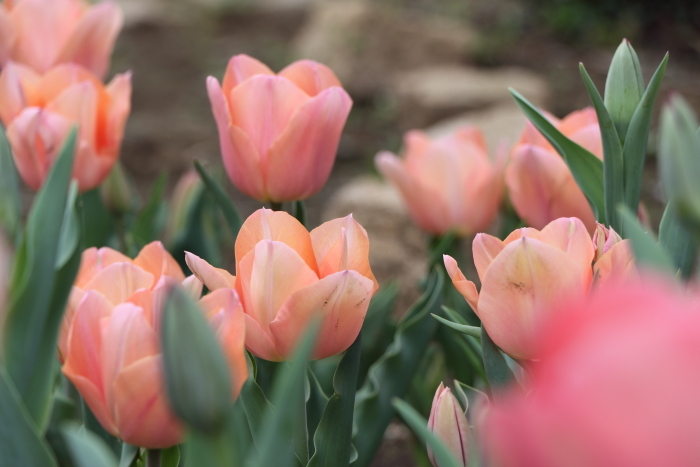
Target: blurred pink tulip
<point>279,133</point>
<point>617,386</point>
<point>539,182</point>
<point>110,344</point>
<point>522,277</point>
<point>448,422</point>
<point>39,110</point>
<point>287,276</point>
<point>448,183</point>
<point>44,33</point>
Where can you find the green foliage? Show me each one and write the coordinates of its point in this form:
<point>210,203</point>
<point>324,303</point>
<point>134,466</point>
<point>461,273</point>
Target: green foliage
<point>647,252</point>
<point>231,215</point>
<point>498,373</point>
<point>86,448</point>
<point>9,189</point>
<point>678,241</point>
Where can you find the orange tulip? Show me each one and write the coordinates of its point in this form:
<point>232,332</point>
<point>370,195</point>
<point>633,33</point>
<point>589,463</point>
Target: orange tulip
<point>448,422</point>
<point>38,112</point>
<point>287,276</point>
<point>279,133</point>
<point>540,183</point>
<point>110,340</point>
<point>44,33</point>
<point>448,183</point>
<point>614,259</point>
<point>522,277</point>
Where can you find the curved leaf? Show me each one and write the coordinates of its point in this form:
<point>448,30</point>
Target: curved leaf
<point>86,448</point>
<point>9,189</point>
<point>231,215</point>
<point>678,241</point>
<point>498,373</point>
<point>463,328</point>
<point>647,252</point>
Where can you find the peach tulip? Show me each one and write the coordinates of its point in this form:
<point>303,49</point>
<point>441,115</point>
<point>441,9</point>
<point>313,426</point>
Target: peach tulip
<point>287,276</point>
<point>614,259</point>
<point>540,183</point>
<point>39,110</point>
<point>279,133</point>
<point>110,342</point>
<point>448,183</point>
<point>617,386</point>
<point>522,277</point>
<point>44,33</point>
<point>449,423</point>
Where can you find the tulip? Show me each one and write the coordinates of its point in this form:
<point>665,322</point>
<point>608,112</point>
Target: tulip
<point>279,133</point>
<point>287,276</point>
<point>448,422</point>
<point>624,87</point>
<point>110,342</point>
<point>617,386</point>
<point>613,256</point>
<point>185,197</point>
<point>540,183</point>
<point>39,110</point>
<point>448,183</point>
<point>44,33</point>
<point>522,277</point>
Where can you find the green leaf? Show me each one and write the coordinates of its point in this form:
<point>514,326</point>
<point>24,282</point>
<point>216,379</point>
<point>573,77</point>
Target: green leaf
<point>233,218</point>
<point>463,328</point>
<point>378,327</point>
<point>299,212</point>
<point>38,293</point>
<point>70,229</point>
<point>635,149</point>
<point>278,425</point>
<point>97,225</point>
<point>86,448</point>
<point>149,221</point>
<point>613,171</point>
<point>333,438</point>
<point>586,168</point>
<point>678,241</point>
<point>10,213</point>
<point>220,449</point>
<point>21,443</point>
<point>197,379</point>
<point>498,373</point>
<point>391,375</point>
<point>316,401</point>
<point>624,87</point>
<point>647,252</point>
<point>419,425</point>
<point>170,457</point>
<point>256,407</point>
<point>128,454</point>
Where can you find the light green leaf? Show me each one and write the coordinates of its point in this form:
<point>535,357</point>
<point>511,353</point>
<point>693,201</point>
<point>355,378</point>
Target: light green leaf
<point>678,241</point>
<point>647,252</point>
<point>86,448</point>
<point>256,407</point>
<point>128,455</point>
<point>463,328</point>
<point>231,215</point>
<point>9,189</point>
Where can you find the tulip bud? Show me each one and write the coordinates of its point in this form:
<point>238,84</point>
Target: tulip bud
<point>116,191</point>
<point>448,422</point>
<point>624,87</point>
<point>186,195</point>
<point>604,239</point>
<point>198,382</point>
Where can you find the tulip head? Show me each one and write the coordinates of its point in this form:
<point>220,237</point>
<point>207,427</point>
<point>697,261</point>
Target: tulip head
<point>522,277</point>
<point>614,259</point>
<point>39,110</point>
<point>44,33</point>
<point>288,276</point>
<point>624,87</point>
<point>184,199</point>
<point>448,183</point>
<point>448,422</point>
<point>279,133</point>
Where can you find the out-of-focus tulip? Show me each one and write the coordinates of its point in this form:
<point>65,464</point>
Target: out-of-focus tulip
<point>185,196</point>
<point>39,110</point>
<point>522,277</point>
<point>614,259</point>
<point>287,276</point>
<point>448,422</point>
<point>617,386</point>
<point>448,183</point>
<point>540,184</point>
<point>110,344</point>
<point>279,133</point>
<point>44,33</point>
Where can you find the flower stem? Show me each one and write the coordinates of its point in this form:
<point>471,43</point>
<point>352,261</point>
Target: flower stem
<point>275,206</point>
<point>153,457</point>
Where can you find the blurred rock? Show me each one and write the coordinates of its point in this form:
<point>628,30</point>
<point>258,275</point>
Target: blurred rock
<point>398,250</point>
<point>428,94</point>
<point>365,43</point>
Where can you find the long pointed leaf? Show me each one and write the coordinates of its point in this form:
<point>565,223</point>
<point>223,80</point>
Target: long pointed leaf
<point>256,407</point>
<point>647,252</point>
<point>87,449</point>
<point>9,189</point>
<point>463,328</point>
<point>678,241</point>
<point>498,372</point>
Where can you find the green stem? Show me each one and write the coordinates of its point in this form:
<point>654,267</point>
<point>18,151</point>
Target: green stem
<point>301,431</point>
<point>153,457</point>
<point>275,206</point>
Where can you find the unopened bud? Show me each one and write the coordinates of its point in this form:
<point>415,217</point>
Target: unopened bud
<point>185,197</point>
<point>603,239</point>
<point>449,423</point>
<point>624,87</point>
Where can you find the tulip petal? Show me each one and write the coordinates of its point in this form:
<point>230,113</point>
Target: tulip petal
<point>265,224</point>
<point>616,264</point>
<point>259,341</point>
<point>213,278</point>
<point>450,425</point>
<point>141,408</point>
<point>340,300</point>
<point>17,84</point>
<point>154,258</point>
<point>571,237</point>
<point>7,37</point>
<point>485,248</point>
<point>93,261</point>
<point>311,77</point>
<point>240,68</point>
<point>465,287</point>
<point>74,299</point>
<point>194,286</point>
<point>119,281</point>
<point>330,250</point>
<point>519,289</point>
<point>91,42</point>
<point>78,103</point>
<point>300,159</point>
<point>119,91</point>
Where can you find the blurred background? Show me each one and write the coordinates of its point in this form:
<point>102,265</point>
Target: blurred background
<point>432,64</point>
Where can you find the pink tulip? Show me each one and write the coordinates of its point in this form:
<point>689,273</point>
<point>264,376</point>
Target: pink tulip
<point>617,386</point>
<point>279,133</point>
<point>42,34</point>
<point>540,183</point>
<point>38,112</point>
<point>287,276</point>
<point>447,183</point>
<point>522,276</point>
<point>614,259</point>
<point>110,340</point>
<point>448,422</point>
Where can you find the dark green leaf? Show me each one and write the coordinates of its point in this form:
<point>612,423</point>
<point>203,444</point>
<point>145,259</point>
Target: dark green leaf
<point>299,212</point>
<point>9,189</point>
<point>498,372</point>
<point>378,328</point>
<point>463,328</point>
<point>86,448</point>
<point>97,225</point>
<point>149,221</point>
<point>316,400</point>
<point>613,172</point>
<point>391,375</point>
<point>170,457</point>
<point>678,241</point>
<point>647,252</point>
<point>233,218</point>
<point>586,168</point>
<point>441,246</point>
<point>256,407</point>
